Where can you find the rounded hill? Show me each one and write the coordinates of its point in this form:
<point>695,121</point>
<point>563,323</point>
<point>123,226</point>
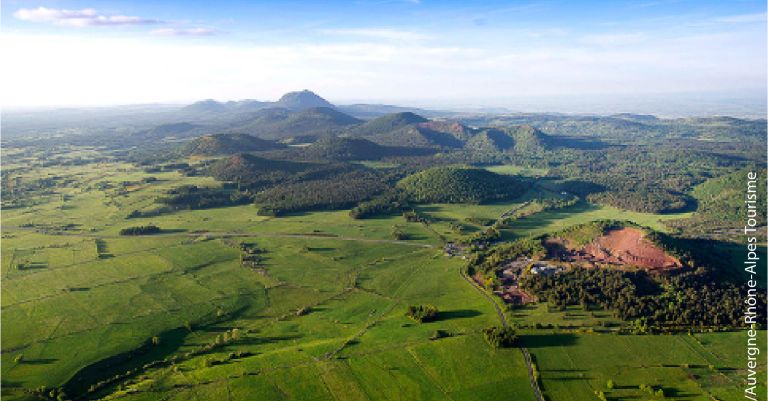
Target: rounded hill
<point>388,123</point>
<point>245,167</point>
<point>340,148</point>
<point>301,100</point>
<point>455,184</point>
<point>227,144</point>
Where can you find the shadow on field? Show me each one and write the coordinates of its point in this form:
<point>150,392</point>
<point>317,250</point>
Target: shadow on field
<point>256,340</point>
<point>567,371</point>
<point>548,340</point>
<point>320,249</point>
<point>457,314</point>
<point>173,230</point>
<point>39,361</point>
<point>10,384</point>
<point>417,237</point>
<point>569,379</point>
<point>675,394</point>
<point>169,342</point>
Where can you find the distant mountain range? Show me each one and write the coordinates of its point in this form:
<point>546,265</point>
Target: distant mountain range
<point>303,116</point>
<point>299,100</point>
<point>300,117</point>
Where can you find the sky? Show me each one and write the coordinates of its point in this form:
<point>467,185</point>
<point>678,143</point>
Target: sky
<point>415,52</point>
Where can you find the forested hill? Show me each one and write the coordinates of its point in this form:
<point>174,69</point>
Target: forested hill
<point>281,123</point>
<point>722,206</point>
<point>388,123</point>
<point>455,184</point>
<point>244,167</point>
<point>332,148</point>
<point>227,144</point>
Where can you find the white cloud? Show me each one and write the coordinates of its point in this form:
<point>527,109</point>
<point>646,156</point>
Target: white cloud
<point>185,32</point>
<point>84,69</point>
<point>377,33</point>
<point>78,18</point>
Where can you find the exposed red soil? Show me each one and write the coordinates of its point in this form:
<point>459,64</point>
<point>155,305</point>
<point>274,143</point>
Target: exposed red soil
<point>514,295</point>
<point>624,246</point>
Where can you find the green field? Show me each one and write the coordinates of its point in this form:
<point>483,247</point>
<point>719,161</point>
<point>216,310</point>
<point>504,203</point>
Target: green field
<point>701,367</point>
<point>583,212</point>
<point>82,304</point>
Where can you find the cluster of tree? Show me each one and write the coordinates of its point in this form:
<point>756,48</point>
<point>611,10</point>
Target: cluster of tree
<point>659,392</point>
<point>413,216</point>
<point>482,239</point>
<point>335,148</point>
<point>398,234</point>
<point>229,357</point>
<point>20,191</point>
<point>640,178</point>
<point>556,203</point>
<point>500,337</point>
<point>250,255</point>
<point>255,172</point>
<point>52,394</point>
<point>101,249</point>
<point>722,207</point>
<point>192,197</point>
<point>453,184</point>
<point>422,313</point>
<point>438,334</point>
<point>157,166</point>
<point>480,221</point>
<point>646,199</point>
<point>390,202</point>
<point>227,144</point>
<point>140,230</point>
<point>336,192</point>
<point>690,300</point>
<point>488,260</point>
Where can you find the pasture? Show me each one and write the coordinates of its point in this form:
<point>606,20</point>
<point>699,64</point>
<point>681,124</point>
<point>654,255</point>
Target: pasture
<point>687,367</point>
<point>178,316</point>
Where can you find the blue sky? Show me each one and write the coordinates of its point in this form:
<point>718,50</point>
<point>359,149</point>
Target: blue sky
<point>442,52</point>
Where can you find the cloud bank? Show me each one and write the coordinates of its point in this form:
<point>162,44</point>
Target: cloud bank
<point>79,18</point>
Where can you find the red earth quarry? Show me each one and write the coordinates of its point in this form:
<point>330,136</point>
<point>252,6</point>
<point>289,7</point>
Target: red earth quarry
<point>623,246</point>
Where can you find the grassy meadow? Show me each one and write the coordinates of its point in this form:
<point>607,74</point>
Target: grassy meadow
<point>177,316</point>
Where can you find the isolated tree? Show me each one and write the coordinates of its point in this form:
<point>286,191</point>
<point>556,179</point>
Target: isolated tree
<point>500,337</point>
<point>422,313</point>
